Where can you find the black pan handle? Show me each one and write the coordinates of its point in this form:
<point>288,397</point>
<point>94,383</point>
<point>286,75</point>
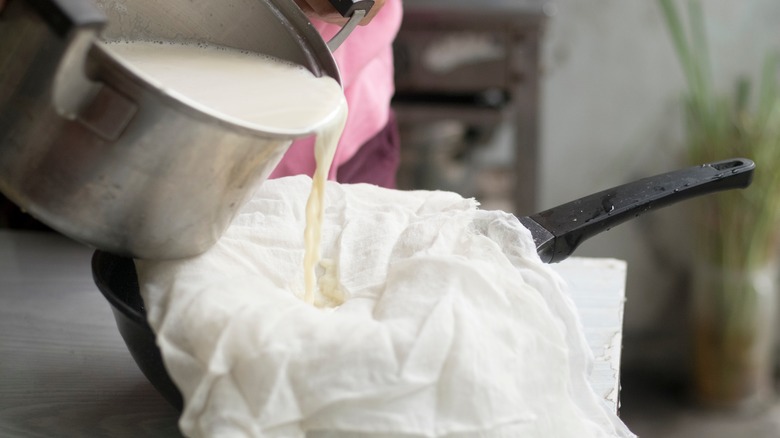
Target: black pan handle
<point>558,231</point>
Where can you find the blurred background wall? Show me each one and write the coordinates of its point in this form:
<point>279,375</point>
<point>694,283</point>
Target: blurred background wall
<point>611,92</point>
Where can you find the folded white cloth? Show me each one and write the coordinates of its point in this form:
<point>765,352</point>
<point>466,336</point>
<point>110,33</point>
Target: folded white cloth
<point>451,325</point>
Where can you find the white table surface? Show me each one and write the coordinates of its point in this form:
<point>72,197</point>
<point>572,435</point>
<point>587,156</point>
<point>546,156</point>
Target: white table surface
<point>65,371</point>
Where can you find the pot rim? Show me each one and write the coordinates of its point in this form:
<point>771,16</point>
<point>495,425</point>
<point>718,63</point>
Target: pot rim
<point>111,64</point>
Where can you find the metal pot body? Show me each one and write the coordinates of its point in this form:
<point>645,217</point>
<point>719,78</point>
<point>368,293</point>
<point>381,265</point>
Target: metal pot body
<point>109,160</point>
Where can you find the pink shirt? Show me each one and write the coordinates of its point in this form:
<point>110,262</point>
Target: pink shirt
<point>365,61</point>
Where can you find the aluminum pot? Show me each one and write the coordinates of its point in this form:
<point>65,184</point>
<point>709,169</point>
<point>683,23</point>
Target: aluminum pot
<point>106,158</point>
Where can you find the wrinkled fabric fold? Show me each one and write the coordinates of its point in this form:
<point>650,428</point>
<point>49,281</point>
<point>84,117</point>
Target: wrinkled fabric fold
<point>452,326</point>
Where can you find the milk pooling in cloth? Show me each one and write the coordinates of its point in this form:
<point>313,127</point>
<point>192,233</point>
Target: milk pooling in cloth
<point>450,325</point>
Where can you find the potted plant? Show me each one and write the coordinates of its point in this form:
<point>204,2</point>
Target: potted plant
<point>736,233</point>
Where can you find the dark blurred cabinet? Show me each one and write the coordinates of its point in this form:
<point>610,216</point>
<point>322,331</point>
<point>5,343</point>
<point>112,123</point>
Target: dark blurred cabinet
<point>467,98</point>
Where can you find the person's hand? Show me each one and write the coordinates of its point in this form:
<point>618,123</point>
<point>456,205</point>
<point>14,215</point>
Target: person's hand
<point>323,10</point>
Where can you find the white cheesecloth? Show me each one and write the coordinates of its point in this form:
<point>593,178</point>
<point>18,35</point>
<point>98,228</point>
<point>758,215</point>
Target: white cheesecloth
<point>451,325</point>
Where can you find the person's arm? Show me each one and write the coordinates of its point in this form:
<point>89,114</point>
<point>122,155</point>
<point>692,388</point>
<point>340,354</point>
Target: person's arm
<point>323,10</point>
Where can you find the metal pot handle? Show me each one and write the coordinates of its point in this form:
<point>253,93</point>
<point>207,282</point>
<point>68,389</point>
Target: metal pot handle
<point>74,95</point>
<point>78,22</point>
<point>355,10</point>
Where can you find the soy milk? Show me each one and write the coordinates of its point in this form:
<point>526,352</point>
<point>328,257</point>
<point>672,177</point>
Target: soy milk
<point>257,92</point>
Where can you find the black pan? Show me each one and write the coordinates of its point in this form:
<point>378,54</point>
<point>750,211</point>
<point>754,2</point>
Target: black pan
<point>557,233</point>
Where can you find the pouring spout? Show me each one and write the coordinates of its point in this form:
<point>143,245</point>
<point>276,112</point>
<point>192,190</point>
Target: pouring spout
<point>557,232</point>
